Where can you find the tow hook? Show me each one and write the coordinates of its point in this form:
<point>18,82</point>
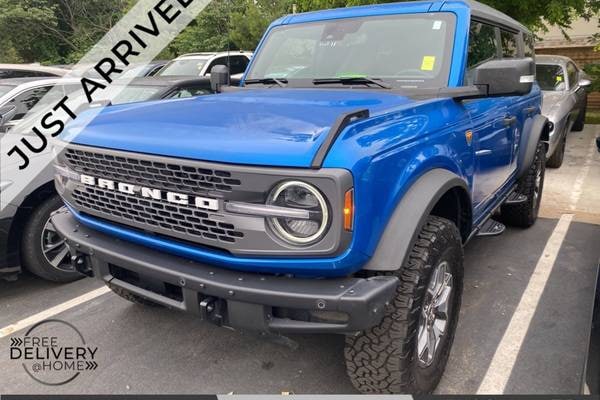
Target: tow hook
<point>210,310</point>
<point>81,263</point>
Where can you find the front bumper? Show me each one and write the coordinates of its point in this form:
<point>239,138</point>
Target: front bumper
<point>239,300</point>
<point>9,251</point>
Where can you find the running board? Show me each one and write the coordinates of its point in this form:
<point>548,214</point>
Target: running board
<point>491,228</point>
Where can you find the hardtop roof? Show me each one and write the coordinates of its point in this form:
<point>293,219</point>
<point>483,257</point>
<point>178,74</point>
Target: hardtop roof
<point>477,9</point>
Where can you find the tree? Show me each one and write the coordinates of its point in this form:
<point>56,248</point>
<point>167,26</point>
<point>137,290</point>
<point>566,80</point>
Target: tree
<point>55,31</point>
<point>249,24</point>
<point>208,32</point>
<point>535,14</point>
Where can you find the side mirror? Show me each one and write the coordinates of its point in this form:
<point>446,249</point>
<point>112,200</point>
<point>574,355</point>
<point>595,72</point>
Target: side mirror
<point>509,77</point>
<point>584,83</point>
<point>7,113</point>
<point>219,77</point>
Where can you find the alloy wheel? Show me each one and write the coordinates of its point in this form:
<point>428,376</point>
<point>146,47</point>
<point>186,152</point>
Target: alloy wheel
<point>435,314</point>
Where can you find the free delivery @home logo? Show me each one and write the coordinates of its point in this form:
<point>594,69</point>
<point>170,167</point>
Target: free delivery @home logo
<point>53,352</point>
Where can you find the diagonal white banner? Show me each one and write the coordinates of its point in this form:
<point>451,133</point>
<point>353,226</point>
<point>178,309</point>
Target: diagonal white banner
<point>26,150</point>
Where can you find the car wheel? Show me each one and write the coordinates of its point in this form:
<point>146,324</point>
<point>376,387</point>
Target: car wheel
<point>556,160</point>
<point>43,252</point>
<point>525,214</point>
<point>408,351</point>
<point>579,123</point>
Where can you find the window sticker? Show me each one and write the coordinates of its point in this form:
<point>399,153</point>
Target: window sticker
<point>437,25</point>
<point>559,78</point>
<point>428,63</point>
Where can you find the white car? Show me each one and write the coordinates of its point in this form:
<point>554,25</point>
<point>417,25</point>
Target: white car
<point>8,71</point>
<point>200,64</point>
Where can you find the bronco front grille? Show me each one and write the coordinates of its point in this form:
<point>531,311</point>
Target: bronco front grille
<point>144,172</point>
<point>157,216</point>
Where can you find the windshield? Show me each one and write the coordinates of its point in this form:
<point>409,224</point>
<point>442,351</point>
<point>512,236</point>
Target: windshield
<point>551,77</point>
<point>404,51</point>
<point>132,94</point>
<point>185,67</point>
<point>5,89</point>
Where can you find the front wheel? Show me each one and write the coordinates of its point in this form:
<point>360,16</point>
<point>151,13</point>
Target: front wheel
<point>43,252</point>
<point>408,351</point>
<point>531,185</point>
<point>556,159</point>
<point>579,123</point>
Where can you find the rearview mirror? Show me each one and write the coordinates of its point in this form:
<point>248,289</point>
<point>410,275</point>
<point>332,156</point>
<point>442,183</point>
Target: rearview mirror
<point>219,77</point>
<point>509,77</point>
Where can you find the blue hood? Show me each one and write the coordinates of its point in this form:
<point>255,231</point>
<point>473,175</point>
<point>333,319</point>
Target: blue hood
<point>275,127</point>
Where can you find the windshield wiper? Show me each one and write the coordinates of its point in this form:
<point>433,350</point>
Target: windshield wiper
<point>351,80</point>
<point>265,81</point>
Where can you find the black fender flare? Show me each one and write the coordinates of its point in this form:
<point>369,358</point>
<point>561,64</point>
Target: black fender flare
<point>410,216</point>
<point>529,141</point>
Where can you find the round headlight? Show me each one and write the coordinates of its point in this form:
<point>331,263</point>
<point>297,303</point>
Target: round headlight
<point>301,196</point>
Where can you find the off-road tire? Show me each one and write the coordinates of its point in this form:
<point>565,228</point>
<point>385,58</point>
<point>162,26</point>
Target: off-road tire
<point>556,159</point>
<point>525,214</point>
<point>134,298</point>
<point>384,358</point>
<point>32,256</point>
<point>579,123</point>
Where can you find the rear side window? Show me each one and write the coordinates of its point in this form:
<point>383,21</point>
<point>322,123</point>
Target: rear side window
<point>27,100</point>
<point>572,74</point>
<point>529,45</point>
<point>483,44</point>
<point>509,44</point>
<point>16,73</point>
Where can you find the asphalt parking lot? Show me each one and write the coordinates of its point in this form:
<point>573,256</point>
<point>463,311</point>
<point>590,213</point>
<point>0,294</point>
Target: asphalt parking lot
<point>524,324</point>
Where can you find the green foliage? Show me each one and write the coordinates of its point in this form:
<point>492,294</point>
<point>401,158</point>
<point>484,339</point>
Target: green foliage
<point>593,70</point>
<point>208,32</point>
<point>55,31</point>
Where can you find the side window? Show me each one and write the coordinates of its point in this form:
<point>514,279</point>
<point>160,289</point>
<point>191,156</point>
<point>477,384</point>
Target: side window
<point>11,73</point>
<point>483,45</point>
<point>183,93</point>
<point>27,100</point>
<point>238,64</point>
<point>572,75</point>
<point>509,44</point>
<point>217,61</point>
<point>529,45</point>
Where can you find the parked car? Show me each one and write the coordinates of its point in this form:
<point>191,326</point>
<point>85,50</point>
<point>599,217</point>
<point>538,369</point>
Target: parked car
<point>200,64</point>
<point>146,70</point>
<point>332,193</point>
<point>8,71</point>
<point>564,101</point>
<point>163,87</point>
<point>27,238</point>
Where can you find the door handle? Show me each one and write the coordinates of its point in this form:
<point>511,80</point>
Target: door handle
<point>530,110</point>
<point>485,152</point>
<point>508,121</point>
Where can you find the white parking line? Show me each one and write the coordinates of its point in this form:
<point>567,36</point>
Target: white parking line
<point>580,179</point>
<point>506,354</point>
<point>34,319</point>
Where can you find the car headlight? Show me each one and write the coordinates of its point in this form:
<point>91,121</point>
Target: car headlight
<point>303,196</point>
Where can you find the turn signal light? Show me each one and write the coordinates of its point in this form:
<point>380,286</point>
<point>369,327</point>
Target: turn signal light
<point>349,210</point>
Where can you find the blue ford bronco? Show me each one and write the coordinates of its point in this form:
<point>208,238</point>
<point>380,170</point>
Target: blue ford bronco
<point>332,191</point>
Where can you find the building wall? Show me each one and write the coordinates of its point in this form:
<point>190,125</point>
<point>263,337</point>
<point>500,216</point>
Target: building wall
<point>582,56</point>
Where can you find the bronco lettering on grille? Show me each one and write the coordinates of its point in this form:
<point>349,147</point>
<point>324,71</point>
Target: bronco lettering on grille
<point>204,203</point>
